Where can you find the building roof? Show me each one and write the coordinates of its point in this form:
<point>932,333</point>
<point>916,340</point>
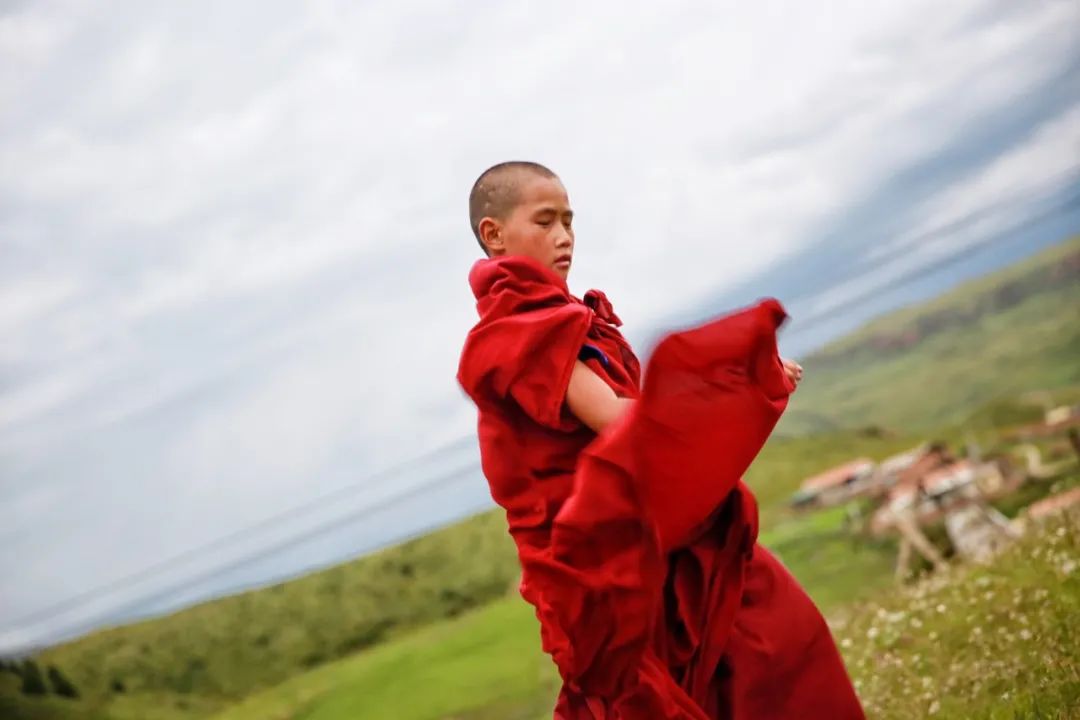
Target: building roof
<point>948,477</point>
<point>901,461</point>
<point>838,475</point>
<point>909,477</point>
<point>933,479</point>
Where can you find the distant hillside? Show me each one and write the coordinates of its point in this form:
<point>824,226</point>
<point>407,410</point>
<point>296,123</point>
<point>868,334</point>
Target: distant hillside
<point>192,662</point>
<point>1007,333</point>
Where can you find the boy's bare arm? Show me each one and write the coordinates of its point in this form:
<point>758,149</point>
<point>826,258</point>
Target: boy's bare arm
<point>591,400</point>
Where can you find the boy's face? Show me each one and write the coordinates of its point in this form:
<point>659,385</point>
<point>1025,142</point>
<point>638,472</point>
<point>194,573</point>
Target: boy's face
<point>540,226</point>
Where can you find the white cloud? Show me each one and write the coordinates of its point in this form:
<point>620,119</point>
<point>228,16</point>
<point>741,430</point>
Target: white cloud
<point>973,207</point>
<point>21,302</point>
<point>1046,159</point>
<point>233,242</point>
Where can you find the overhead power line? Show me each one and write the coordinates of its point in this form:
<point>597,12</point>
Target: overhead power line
<point>471,468</point>
<point>268,523</point>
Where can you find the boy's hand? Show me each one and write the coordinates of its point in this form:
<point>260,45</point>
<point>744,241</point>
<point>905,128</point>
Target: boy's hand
<point>793,371</point>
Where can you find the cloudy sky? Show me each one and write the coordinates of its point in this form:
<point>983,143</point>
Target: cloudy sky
<point>233,236</point>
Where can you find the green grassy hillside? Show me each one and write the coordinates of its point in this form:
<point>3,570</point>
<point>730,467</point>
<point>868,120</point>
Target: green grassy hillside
<point>487,665</point>
<point>925,366</point>
<point>987,643</point>
<point>994,642</point>
<point>218,652</point>
<point>210,655</point>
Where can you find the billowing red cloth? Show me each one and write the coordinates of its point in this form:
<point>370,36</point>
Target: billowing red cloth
<point>638,546</point>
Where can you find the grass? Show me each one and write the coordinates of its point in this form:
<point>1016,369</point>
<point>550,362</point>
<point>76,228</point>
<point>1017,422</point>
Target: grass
<point>835,566</point>
<point>14,706</point>
<point>995,643</point>
<point>460,668</point>
<point>208,656</point>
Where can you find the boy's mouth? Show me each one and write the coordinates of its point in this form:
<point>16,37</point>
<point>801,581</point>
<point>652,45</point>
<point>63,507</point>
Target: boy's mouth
<point>563,262</point>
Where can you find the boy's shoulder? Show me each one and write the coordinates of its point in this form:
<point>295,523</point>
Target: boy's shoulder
<point>516,275</point>
<point>530,326</point>
<point>520,292</point>
<point>518,285</point>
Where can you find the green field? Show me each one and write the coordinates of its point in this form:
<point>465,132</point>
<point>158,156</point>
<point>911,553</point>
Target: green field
<point>212,654</point>
<point>440,612</point>
<point>487,664</point>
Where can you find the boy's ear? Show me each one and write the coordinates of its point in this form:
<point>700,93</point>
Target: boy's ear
<point>490,231</point>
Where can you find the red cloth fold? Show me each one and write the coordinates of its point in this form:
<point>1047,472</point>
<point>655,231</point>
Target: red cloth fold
<point>638,546</point>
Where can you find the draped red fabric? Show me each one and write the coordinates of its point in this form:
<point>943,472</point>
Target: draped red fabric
<point>638,547</point>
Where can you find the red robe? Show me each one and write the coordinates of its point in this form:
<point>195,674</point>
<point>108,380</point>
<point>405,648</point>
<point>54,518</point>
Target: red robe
<point>638,547</point>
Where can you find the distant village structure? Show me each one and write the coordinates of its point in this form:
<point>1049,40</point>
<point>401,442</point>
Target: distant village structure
<point>927,486</point>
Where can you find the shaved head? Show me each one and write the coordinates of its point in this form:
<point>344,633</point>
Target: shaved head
<point>496,192</point>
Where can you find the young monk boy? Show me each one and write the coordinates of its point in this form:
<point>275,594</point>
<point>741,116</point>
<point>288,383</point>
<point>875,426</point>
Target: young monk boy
<point>636,535</point>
